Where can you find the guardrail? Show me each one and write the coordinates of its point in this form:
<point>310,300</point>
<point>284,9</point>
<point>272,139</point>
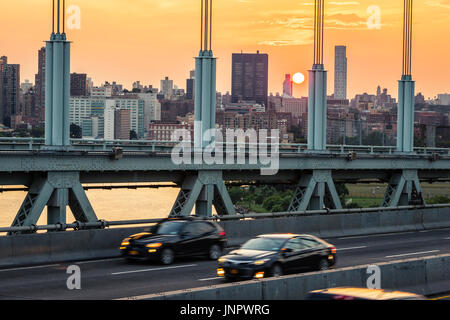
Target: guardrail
<point>30,144</point>
<point>102,224</point>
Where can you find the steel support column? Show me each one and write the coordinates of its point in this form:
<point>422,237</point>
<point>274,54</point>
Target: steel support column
<point>317,98</point>
<point>404,189</point>
<point>315,191</point>
<point>57,86</point>
<point>406,87</point>
<point>57,190</point>
<point>203,190</point>
<point>205,83</point>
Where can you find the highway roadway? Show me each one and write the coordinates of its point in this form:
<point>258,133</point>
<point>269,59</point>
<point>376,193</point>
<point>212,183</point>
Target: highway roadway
<point>117,278</point>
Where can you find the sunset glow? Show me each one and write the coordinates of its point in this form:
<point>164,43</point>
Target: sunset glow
<point>146,40</point>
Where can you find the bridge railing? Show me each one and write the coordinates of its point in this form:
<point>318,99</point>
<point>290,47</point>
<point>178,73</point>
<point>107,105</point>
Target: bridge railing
<point>36,144</point>
<point>101,224</point>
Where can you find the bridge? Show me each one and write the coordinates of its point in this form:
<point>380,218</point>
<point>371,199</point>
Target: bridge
<point>55,172</point>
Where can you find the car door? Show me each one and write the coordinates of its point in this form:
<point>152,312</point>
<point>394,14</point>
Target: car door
<point>292,254</point>
<point>318,251</point>
<point>191,239</point>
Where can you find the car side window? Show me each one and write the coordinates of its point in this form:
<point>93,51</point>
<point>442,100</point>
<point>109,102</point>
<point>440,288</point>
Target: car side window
<point>295,244</point>
<point>309,243</point>
<point>194,229</point>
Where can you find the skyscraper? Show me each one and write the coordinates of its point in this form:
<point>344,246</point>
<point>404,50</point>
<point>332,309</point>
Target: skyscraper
<point>288,86</point>
<point>39,108</point>
<point>167,87</point>
<point>3,62</point>
<point>10,90</point>
<point>250,77</point>
<point>122,128</point>
<point>190,86</point>
<point>78,85</point>
<point>340,73</point>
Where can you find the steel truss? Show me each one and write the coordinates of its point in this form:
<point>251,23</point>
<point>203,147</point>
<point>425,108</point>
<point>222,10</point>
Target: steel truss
<point>315,191</point>
<point>56,190</point>
<point>203,190</point>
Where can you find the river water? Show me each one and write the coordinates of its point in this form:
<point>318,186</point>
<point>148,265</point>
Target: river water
<point>110,205</point>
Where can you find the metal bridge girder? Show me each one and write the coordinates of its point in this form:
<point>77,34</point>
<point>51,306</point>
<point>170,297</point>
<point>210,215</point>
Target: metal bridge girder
<point>203,190</point>
<point>404,188</point>
<point>315,191</point>
<point>56,191</point>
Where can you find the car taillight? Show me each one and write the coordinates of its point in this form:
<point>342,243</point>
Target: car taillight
<point>222,233</point>
<point>333,250</point>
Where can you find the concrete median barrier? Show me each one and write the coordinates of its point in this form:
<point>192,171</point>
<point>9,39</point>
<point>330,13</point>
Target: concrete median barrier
<point>425,276</point>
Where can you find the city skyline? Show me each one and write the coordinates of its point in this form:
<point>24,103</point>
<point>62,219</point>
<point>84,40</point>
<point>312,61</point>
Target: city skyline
<point>283,31</point>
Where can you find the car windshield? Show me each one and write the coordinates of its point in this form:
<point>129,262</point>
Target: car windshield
<point>169,227</point>
<point>264,244</point>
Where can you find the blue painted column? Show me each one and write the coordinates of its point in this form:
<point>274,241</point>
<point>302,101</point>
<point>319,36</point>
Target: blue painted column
<point>205,83</point>
<point>317,109</point>
<point>406,87</point>
<point>317,100</point>
<point>405,125</point>
<point>205,98</point>
<point>57,91</point>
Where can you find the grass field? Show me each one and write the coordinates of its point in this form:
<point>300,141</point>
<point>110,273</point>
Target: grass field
<point>370,195</point>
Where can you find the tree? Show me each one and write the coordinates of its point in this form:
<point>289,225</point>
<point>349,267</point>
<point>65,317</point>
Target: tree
<point>133,135</point>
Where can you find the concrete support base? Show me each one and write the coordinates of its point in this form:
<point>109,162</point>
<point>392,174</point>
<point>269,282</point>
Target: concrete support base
<point>315,191</point>
<point>203,190</point>
<point>404,189</point>
<point>56,191</point>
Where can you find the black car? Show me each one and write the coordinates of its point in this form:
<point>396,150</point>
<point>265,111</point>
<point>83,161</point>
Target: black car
<point>176,237</point>
<point>277,254</point>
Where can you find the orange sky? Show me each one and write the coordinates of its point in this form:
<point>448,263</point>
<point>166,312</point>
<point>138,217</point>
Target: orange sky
<point>145,40</point>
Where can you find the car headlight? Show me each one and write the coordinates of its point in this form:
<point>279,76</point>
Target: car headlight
<point>126,242</point>
<point>260,262</point>
<point>222,260</point>
<point>154,245</point>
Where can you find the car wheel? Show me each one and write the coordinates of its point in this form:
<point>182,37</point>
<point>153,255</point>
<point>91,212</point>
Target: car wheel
<point>167,256</point>
<point>214,252</point>
<point>324,265</point>
<point>276,270</point>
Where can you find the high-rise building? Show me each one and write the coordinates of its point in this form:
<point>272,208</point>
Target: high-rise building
<point>288,86</point>
<point>190,86</point>
<point>250,77</point>
<point>39,107</point>
<point>167,87</point>
<point>340,73</point>
<point>26,86</point>
<point>10,90</point>
<point>3,62</point>
<point>122,128</point>
<point>78,85</point>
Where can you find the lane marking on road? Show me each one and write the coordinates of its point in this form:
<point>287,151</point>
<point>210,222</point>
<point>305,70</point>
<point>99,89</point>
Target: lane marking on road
<point>102,260</point>
<point>29,268</point>
<point>377,235</point>
<point>411,254</point>
<point>441,298</point>
<point>446,238</point>
<point>353,248</point>
<point>153,269</point>
<point>210,279</point>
